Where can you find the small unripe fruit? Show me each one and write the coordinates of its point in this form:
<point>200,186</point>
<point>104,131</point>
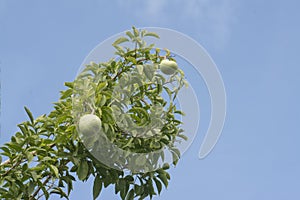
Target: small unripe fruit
<point>89,125</point>
<point>168,67</point>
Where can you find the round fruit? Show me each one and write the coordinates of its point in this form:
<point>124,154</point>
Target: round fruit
<point>168,67</point>
<point>89,125</point>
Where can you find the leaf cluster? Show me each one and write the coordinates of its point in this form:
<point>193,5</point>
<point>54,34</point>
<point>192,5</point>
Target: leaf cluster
<point>48,153</point>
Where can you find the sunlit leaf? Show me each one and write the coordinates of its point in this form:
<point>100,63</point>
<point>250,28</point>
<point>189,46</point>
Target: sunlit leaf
<point>29,114</point>
<point>120,40</point>
<point>83,170</point>
<point>54,170</point>
<point>97,187</point>
<point>152,34</point>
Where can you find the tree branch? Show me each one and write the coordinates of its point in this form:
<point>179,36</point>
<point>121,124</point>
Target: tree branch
<point>10,169</point>
<point>39,188</point>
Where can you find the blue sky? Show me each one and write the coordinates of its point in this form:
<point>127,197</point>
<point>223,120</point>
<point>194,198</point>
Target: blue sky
<point>255,45</point>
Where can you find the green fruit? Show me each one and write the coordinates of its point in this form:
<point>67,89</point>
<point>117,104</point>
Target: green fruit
<point>89,125</point>
<point>168,67</point>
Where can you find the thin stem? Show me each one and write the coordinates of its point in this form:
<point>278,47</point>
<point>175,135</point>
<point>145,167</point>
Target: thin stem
<point>39,188</point>
<point>8,161</point>
<point>13,167</point>
<point>5,162</point>
<point>117,75</point>
<point>135,50</point>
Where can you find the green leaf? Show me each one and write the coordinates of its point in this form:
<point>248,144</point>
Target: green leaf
<point>120,50</point>
<point>14,146</point>
<point>129,178</point>
<point>158,185</point>
<point>179,112</point>
<point>163,178</point>
<point>151,34</point>
<point>183,137</point>
<point>69,84</point>
<point>140,69</point>
<point>101,86</point>
<point>29,156</point>
<point>54,170</point>
<point>135,31</point>
<point>143,32</point>
<point>58,190</point>
<point>34,175</point>
<point>120,40</point>
<point>130,195</point>
<point>175,158</point>
<point>97,187</point>
<point>43,187</point>
<point>107,115</point>
<point>29,114</point>
<point>66,94</point>
<point>129,34</point>
<point>140,111</point>
<point>140,42</point>
<point>150,187</point>
<point>128,144</point>
<point>177,151</point>
<point>149,71</point>
<point>138,189</point>
<point>83,170</point>
<point>166,166</point>
<point>131,59</point>
<point>31,187</point>
<point>101,101</point>
<point>6,152</point>
<point>124,187</point>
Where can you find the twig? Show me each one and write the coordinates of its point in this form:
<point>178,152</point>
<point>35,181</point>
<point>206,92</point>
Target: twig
<point>118,74</point>
<point>39,188</point>
<point>6,162</point>
<point>9,170</point>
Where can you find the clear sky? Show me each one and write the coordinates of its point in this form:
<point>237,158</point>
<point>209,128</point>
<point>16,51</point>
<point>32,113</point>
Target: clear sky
<point>255,45</point>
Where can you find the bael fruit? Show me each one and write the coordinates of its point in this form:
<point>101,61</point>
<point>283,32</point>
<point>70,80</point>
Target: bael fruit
<point>168,67</point>
<point>89,125</point>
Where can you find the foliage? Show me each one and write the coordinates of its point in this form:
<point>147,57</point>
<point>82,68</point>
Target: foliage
<point>48,154</point>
